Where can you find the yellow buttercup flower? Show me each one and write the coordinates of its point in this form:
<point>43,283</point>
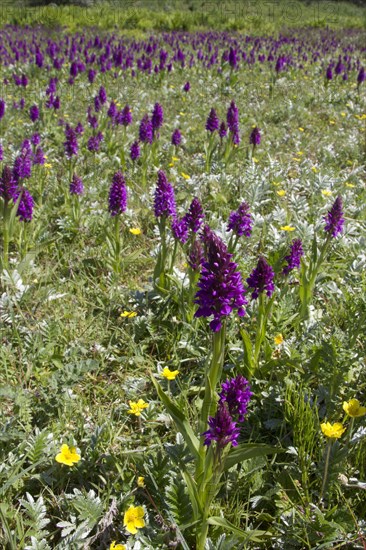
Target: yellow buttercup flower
<point>134,519</point>
<point>185,176</point>
<point>136,408</point>
<point>175,159</point>
<point>287,228</point>
<point>353,408</point>
<point>115,546</point>
<point>326,193</point>
<point>333,431</point>
<point>351,185</point>
<point>68,455</point>
<point>170,374</point>
<point>296,159</point>
<point>314,169</point>
<point>301,129</point>
<point>129,314</point>
<point>281,193</point>
<point>141,481</point>
<point>278,340</point>
<point>135,231</point>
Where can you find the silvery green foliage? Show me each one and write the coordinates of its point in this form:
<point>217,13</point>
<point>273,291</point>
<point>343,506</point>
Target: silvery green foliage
<point>36,521</point>
<point>87,510</point>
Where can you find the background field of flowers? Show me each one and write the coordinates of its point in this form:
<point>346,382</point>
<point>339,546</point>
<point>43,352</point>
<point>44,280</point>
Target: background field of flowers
<point>116,150</point>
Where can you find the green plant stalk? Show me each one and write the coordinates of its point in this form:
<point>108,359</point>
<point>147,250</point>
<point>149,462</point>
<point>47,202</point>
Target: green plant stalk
<point>117,243</point>
<point>264,312</point>
<point>213,375</point>
<point>123,144</point>
<point>173,256</point>
<point>308,283</point>
<point>6,237</point>
<point>209,488</point>
<point>159,272</point>
<point>326,468</point>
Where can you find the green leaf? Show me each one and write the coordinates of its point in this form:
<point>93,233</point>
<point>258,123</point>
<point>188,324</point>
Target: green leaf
<point>249,450</point>
<point>248,350</point>
<point>180,420</point>
<point>253,536</point>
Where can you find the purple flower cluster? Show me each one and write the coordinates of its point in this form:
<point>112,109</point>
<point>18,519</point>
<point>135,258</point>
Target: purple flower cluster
<point>334,219</point>
<point>157,117</point>
<point>236,394</point>
<point>76,186</point>
<point>34,113</point>
<point>232,119</point>
<point>25,207</point>
<point>71,144</point>
<point>8,185</point>
<point>220,286</point>
<point>164,199</point>
<point>194,216</point>
<point>232,407</point>
<point>213,122</point>
<point>261,279</point>
<point>176,138</point>
<point>22,168</point>
<point>146,131</point>
<point>135,151</point>
<point>294,258</point>
<point>94,142</point>
<point>240,221</point>
<point>195,255</point>
<point>117,195</point>
<point>222,429</point>
<point>180,230</point>
<point>124,117</point>
<point>255,137</point>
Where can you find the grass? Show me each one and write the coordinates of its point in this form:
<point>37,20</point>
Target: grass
<point>191,15</point>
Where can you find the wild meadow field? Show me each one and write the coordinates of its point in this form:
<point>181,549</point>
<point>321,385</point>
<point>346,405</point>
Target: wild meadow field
<point>182,279</point>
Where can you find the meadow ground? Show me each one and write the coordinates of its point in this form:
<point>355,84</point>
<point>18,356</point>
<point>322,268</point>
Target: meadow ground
<point>161,147</point>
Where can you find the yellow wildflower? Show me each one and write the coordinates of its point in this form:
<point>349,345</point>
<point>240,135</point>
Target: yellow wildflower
<point>254,159</point>
<point>185,176</point>
<point>353,408</point>
<point>175,159</point>
<point>129,314</point>
<point>301,129</point>
<point>343,113</point>
<point>67,455</point>
<point>278,340</point>
<point>115,546</point>
<point>135,231</point>
<point>296,159</point>
<point>141,481</point>
<point>136,408</point>
<point>348,184</point>
<point>281,193</point>
<point>326,193</point>
<point>287,228</point>
<point>134,519</point>
<point>333,431</point>
<point>332,122</point>
<point>170,374</point>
